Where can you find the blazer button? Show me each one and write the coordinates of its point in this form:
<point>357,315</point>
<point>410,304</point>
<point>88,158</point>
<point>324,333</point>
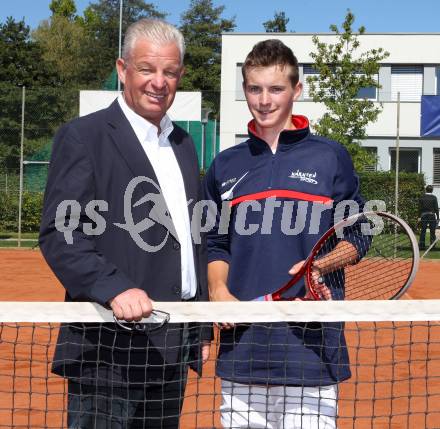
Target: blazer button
<point>176,290</point>
<point>176,246</point>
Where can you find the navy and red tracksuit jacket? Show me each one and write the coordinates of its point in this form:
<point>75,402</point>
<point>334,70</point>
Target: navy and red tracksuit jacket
<point>281,203</point>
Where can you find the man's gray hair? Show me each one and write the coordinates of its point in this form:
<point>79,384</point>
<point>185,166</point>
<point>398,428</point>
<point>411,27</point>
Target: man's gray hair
<point>156,30</point>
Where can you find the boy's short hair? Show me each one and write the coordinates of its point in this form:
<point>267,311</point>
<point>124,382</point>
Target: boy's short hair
<point>429,188</point>
<point>272,52</point>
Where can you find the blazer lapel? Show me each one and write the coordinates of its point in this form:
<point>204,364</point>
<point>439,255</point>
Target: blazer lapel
<point>131,151</point>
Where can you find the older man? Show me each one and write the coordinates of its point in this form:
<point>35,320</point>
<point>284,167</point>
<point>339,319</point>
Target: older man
<point>118,377</point>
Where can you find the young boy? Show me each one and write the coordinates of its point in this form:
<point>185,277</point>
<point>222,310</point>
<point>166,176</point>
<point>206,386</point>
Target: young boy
<point>279,375</point>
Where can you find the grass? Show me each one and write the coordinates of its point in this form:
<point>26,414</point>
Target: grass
<point>14,244</point>
<point>433,253</point>
<point>4,235</point>
<point>9,239</point>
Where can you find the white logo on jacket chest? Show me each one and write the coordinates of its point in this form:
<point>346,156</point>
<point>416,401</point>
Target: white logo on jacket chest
<point>228,194</point>
<point>229,182</point>
<point>304,176</point>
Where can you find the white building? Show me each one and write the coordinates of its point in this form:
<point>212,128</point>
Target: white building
<point>412,69</point>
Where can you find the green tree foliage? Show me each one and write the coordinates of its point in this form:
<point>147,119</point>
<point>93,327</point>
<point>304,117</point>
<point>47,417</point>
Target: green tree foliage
<point>202,25</point>
<point>22,64</point>
<point>101,23</point>
<point>66,8</point>
<point>278,24</point>
<point>63,41</point>
<point>20,57</point>
<point>344,69</point>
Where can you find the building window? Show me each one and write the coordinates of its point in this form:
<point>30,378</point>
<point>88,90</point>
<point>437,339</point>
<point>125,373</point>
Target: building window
<point>308,71</point>
<point>409,160</point>
<point>240,138</point>
<point>372,150</point>
<point>436,167</point>
<point>408,80</point>
<point>369,92</point>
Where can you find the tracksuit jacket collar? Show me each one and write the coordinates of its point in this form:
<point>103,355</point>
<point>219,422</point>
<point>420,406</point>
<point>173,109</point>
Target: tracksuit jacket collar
<point>287,137</point>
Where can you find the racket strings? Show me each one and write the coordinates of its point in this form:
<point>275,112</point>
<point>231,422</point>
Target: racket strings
<point>383,266</point>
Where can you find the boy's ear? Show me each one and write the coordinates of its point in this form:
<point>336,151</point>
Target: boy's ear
<point>297,91</point>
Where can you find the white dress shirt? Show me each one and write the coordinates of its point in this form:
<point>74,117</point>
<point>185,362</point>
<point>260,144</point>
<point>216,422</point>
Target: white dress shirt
<point>161,156</point>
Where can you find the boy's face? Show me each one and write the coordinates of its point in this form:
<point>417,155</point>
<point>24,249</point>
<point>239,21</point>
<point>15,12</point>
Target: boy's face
<point>270,96</point>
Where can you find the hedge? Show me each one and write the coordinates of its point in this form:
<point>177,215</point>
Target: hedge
<point>381,186</point>
<point>31,211</point>
<point>374,186</point>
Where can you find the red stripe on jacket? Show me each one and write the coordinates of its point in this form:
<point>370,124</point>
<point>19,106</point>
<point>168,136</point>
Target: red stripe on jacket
<point>282,193</point>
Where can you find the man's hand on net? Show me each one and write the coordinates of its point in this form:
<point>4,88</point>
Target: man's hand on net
<point>131,305</point>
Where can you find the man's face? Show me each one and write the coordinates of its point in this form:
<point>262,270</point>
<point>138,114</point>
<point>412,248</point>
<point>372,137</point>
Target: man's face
<point>150,77</point>
<point>270,96</point>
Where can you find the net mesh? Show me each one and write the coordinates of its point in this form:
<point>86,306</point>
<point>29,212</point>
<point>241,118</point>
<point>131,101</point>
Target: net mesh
<point>393,348</point>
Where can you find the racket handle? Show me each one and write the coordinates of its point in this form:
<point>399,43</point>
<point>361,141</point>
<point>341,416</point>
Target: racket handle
<point>274,297</point>
<point>264,298</point>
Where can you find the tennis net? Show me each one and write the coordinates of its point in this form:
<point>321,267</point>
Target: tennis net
<point>390,378</point>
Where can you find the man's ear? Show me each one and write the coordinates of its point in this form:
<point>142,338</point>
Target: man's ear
<point>121,69</point>
<point>297,91</point>
<point>182,72</point>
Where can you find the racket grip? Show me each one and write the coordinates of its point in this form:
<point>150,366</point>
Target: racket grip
<point>264,298</point>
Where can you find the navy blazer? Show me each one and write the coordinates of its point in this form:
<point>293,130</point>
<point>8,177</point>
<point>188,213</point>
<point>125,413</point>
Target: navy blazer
<point>94,158</point>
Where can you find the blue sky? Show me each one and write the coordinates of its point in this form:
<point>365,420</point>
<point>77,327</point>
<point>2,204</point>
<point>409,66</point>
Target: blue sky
<point>305,15</point>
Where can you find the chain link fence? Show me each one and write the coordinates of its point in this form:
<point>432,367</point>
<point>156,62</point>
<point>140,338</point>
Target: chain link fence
<point>46,109</point>
<point>29,118</point>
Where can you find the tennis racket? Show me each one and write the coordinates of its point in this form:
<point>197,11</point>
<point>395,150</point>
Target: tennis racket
<point>368,256</point>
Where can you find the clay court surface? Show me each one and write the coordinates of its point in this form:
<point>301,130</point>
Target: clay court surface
<point>405,362</point>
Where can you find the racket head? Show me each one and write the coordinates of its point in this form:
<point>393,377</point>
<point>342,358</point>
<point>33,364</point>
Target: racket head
<point>386,262</point>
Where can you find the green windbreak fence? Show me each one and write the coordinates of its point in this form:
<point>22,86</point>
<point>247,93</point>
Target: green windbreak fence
<point>205,136</point>
<point>206,139</point>
<point>35,170</point>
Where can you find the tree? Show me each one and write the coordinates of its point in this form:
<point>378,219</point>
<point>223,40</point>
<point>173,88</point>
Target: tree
<point>20,56</point>
<point>66,8</point>
<point>63,40</point>
<point>202,25</point>
<point>101,22</point>
<point>22,64</point>
<point>343,71</point>
<point>278,24</point>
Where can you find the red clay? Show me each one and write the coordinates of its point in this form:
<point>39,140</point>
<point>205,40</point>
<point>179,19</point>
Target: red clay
<point>407,364</point>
